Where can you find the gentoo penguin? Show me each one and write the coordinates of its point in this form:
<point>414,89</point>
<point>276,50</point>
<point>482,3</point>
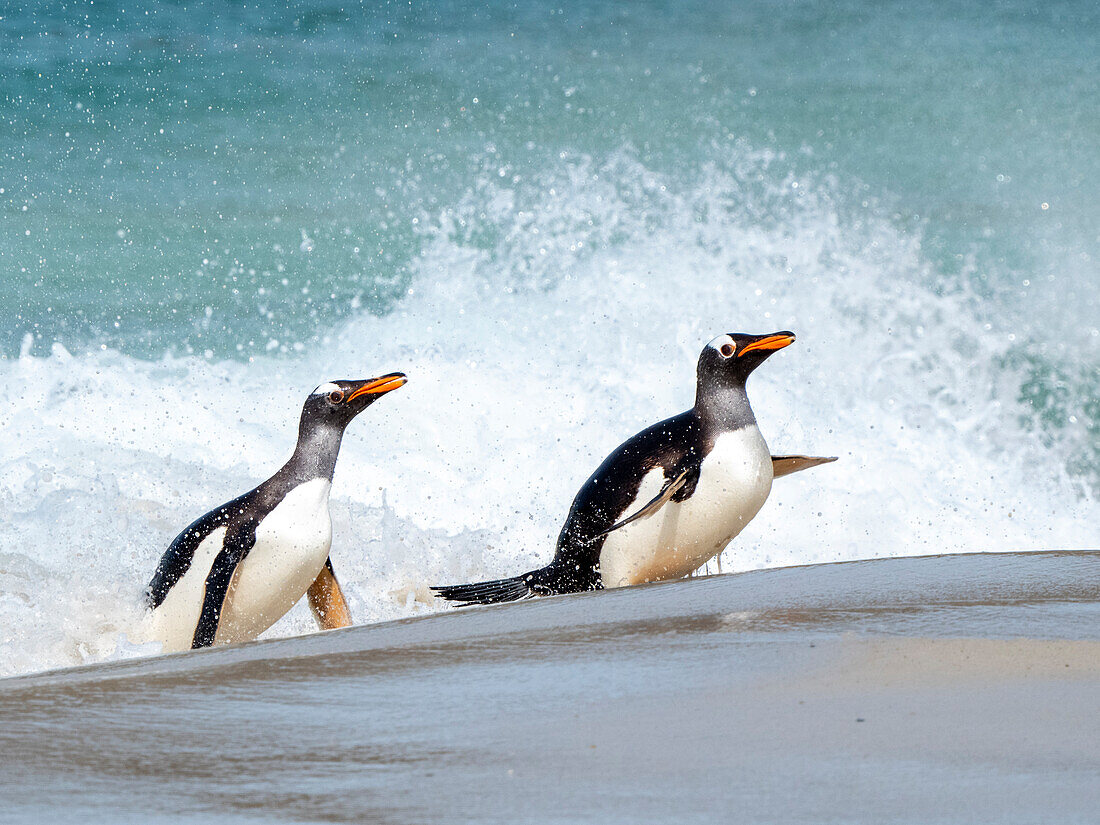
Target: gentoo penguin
<point>234,572</point>
<point>670,498</point>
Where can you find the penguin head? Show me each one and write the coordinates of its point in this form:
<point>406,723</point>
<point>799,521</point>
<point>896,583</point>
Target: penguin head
<point>336,403</point>
<point>728,359</point>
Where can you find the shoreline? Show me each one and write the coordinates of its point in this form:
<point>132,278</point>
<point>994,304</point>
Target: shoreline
<point>336,640</point>
<point>943,689</point>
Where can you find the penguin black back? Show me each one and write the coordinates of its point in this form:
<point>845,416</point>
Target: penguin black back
<point>669,445</point>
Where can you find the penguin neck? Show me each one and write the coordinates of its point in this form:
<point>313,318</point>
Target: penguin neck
<point>723,407</point>
<point>316,452</point>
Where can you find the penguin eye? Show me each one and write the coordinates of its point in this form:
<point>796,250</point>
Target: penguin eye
<point>336,396</point>
<point>726,350</point>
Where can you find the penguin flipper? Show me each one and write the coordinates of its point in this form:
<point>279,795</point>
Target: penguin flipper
<point>784,465</point>
<point>177,559</point>
<point>672,486</point>
<point>490,592</point>
<point>326,600</point>
<point>238,541</point>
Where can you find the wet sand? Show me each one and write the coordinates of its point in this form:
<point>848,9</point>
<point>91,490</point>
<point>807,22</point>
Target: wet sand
<point>945,689</point>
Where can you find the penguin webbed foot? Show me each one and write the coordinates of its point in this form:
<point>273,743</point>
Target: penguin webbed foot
<point>326,600</point>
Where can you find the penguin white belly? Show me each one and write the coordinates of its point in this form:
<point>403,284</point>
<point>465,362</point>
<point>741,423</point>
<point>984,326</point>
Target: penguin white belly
<point>735,479</point>
<point>292,543</point>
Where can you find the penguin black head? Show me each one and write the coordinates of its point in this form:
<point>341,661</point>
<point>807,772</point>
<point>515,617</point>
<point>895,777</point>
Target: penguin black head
<point>336,403</point>
<point>728,359</point>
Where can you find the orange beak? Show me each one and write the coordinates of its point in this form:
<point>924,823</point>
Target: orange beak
<point>769,342</point>
<point>377,386</point>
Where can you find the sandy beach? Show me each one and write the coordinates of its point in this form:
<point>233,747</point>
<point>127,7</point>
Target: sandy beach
<point>939,689</point>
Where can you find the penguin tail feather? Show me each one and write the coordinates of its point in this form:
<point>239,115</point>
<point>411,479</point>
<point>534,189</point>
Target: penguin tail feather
<point>491,592</point>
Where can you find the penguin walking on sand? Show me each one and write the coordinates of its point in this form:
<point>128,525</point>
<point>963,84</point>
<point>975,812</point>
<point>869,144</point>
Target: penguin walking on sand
<point>672,497</point>
<point>234,572</point>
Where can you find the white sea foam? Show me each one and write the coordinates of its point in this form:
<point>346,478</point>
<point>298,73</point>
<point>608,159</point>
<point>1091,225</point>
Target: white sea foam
<point>549,319</point>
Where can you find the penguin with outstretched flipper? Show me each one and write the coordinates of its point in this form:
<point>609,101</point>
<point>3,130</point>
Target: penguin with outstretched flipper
<point>670,498</point>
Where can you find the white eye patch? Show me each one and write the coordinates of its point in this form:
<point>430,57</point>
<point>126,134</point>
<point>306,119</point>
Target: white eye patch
<point>722,341</point>
<point>325,389</point>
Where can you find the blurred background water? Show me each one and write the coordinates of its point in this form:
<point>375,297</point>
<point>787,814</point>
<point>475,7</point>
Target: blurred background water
<point>541,214</point>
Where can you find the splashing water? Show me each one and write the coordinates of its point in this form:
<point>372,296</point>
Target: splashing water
<point>541,220</point>
<point>530,356</point>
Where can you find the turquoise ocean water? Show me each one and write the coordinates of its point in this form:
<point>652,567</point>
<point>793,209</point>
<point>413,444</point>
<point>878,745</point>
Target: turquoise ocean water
<point>541,214</point>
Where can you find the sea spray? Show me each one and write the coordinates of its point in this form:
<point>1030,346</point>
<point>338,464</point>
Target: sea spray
<point>545,321</point>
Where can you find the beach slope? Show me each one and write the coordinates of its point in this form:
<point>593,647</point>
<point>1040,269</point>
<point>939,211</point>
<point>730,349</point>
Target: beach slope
<point>934,690</point>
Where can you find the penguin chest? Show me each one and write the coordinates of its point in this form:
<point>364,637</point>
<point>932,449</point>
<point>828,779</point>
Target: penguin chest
<point>735,479</point>
<point>292,543</point>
